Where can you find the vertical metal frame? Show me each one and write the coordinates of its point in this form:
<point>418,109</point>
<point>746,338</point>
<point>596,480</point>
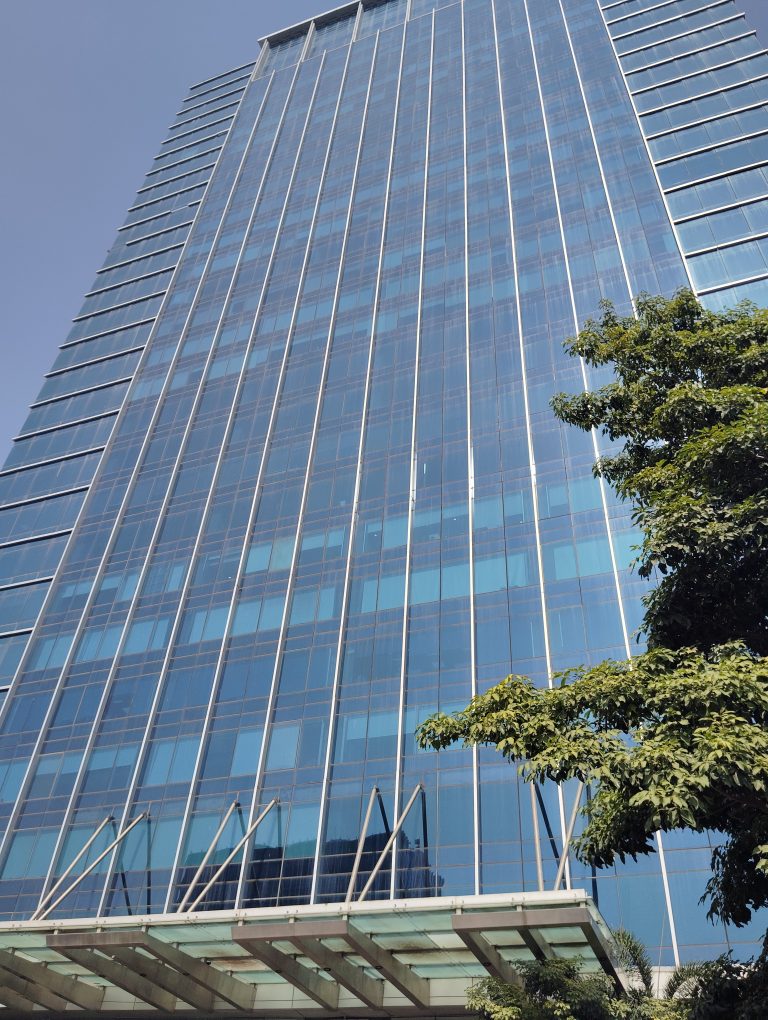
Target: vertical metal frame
<point>284,623</point>
<point>343,616</point>
<point>470,463</point>
<point>413,471</point>
<point>529,435</point>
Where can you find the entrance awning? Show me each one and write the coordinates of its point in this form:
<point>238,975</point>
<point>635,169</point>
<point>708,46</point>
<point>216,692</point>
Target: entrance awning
<point>409,958</point>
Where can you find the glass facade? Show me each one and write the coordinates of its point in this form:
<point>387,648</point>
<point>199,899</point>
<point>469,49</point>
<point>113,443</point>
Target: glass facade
<point>293,482</point>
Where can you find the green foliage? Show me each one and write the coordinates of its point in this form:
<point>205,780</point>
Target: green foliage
<point>675,739</point>
<point>690,405</point>
<point>726,990</point>
<point>556,990</point>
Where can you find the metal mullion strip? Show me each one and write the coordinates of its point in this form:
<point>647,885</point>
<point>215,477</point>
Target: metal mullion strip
<point>669,21</point>
<point>14,633</point>
<point>254,507</point>
<point>690,281</point>
<point>160,687</point>
<point>188,145</point>
<point>650,158</point>
<point>712,147</point>
<point>754,165</point>
<point>162,198</point>
<point>122,304</point>
<point>122,328</point>
<point>707,120</point>
<point>41,537</point>
<point>224,85</point>
<point>72,455</point>
<point>209,102</point>
<point>343,616</point>
<point>58,459</point>
<point>680,35</point>
<point>201,116</point>
<point>53,703</point>
<point>703,95</point>
<point>695,74</point>
<point>30,500</point>
<point>261,764</point>
<point>742,281</point>
<point>130,279</point>
<point>684,54</point>
<point>216,77</point>
<point>137,258</point>
<point>545,123</point>
<point>470,462</point>
<point>177,177</point>
<point>668,898</point>
<point>413,469</point>
<point>181,162</point>
<point>635,14</point>
<point>526,408</point>
<point>25,584</point>
<point>656,24</point>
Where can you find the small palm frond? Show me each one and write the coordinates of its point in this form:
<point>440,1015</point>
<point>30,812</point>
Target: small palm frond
<point>634,958</point>
<point>685,978</point>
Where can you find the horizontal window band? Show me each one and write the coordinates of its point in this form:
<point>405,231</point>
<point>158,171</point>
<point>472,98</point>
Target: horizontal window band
<point>178,177</point>
<point>712,147</point>
<point>196,131</point>
<point>694,74</point>
<point>54,494</point>
<point>681,35</point>
<point>157,216</point>
<point>733,283</point>
<point>700,95</point>
<point>201,116</point>
<point>132,279</point>
<point>737,204</point>
<point>714,177</point>
<point>710,120</point>
<point>189,145</point>
<point>139,258</point>
<point>241,78</point>
<point>683,56</point>
<point>663,21</point>
<point>163,198</point>
<point>62,426</point>
<point>106,332</point>
<point>60,459</point>
<point>15,633</point>
<point>79,393</point>
<point>32,539</point>
<point>643,10</point>
<point>25,584</point>
<point>157,233</point>
<point>122,304</point>
<point>722,245</point>
<point>233,70</point>
<point>87,364</point>
<point>181,162</point>
<point>208,102</point>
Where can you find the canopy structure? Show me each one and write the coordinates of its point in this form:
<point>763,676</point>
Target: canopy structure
<point>409,958</point>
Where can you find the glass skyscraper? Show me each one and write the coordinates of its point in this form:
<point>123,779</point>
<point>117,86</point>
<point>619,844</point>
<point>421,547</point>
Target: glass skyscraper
<point>293,482</point>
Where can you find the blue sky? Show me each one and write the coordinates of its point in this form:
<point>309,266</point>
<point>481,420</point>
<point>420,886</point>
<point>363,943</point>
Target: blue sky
<point>87,89</point>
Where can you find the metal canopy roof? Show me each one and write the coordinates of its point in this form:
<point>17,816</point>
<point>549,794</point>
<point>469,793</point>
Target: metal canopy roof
<point>384,958</point>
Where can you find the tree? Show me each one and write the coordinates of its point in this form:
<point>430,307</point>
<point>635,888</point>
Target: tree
<point>677,738</point>
<point>690,403</point>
